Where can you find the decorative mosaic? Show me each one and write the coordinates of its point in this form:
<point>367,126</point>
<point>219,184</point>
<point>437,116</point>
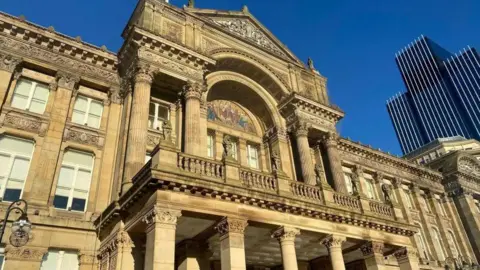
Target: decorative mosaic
<point>229,114</point>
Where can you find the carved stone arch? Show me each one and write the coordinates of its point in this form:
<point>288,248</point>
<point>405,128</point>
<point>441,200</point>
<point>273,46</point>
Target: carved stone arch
<point>216,78</point>
<point>250,66</point>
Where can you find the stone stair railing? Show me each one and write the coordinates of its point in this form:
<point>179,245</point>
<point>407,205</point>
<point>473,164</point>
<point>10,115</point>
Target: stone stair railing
<point>347,201</point>
<point>258,180</point>
<point>201,166</point>
<point>381,208</point>
<point>306,191</point>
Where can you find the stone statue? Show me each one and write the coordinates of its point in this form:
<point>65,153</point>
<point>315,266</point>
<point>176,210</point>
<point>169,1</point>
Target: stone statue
<point>387,193</point>
<point>310,64</point>
<point>227,147</point>
<point>167,131</point>
<point>355,184</point>
<point>319,173</point>
<point>191,3</point>
<point>275,161</point>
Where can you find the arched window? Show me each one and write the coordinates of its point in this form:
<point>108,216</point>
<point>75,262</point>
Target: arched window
<point>421,244</point>
<point>437,243</point>
<point>452,244</point>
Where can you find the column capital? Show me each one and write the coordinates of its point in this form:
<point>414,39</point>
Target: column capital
<point>333,241</point>
<point>378,177</point>
<point>372,247</point>
<point>300,129</point>
<point>194,90</point>
<point>405,253</point>
<point>231,225</point>
<point>330,139</point>
<point>143,74</point>
<point>67,80</point>
<point>162,216</point>
<point>9,62</point>
<point>396,182</point>
<point>358,169</point>
<point>285,234</point>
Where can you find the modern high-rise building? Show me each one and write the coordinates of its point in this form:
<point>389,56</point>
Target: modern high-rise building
<point>442,97</point>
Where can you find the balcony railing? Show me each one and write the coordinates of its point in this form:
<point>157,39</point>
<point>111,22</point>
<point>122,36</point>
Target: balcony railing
<point>201,166</point>
<point>381,208</point>
<point>346,201</point>
<point>258,180</point>
<point>306,191</point>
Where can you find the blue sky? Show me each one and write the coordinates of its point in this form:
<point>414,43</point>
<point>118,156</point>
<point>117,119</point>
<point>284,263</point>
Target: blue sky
<point>353,42</point>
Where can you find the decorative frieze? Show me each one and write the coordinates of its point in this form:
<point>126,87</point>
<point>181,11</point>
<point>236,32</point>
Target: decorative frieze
<point>83,137</point>
<point>285,234</point>
<point>25,253</point>
<point>231,225</point>
<point>25,123</point>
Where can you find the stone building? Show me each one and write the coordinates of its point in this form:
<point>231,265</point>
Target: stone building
<point>204,143</point>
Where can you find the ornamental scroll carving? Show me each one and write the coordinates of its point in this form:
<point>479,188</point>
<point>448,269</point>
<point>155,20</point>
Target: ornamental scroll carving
<point>9,62</point>
<point>56,58</point>
<point>25,253</point>
<point>164,216</point>
<point>67,80</point>
<point>83,137</point>
<point>250,32</point>
<point>469,166</point>
<point>285,234</point>
<point>406,253</point>
<point>372,248</point>
<point>333,241</point>
<point>231,225</point>
<point>22,123</point>
<point>194,90</point>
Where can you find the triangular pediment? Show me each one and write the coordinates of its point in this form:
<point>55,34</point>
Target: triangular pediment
<point>246,27</point>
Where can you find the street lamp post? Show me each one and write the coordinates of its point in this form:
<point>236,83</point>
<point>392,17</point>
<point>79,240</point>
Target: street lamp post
<point>21,227</point>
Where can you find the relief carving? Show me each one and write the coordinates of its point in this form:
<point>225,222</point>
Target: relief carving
<point>333,241</point>
<point>163,216</point>
<point>231,225</point>
<point>8,62</point>
<point>172,31</point>
<point>83,137</point>
<point>67,80</point>
<point>30,125</point>
<point>285,234</point>
<point>171,65</point>
<point>372,248</point>
<point>25,253</point>
<point>209,45</point>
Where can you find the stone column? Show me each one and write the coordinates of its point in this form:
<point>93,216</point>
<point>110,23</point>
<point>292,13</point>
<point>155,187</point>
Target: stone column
<point>301,133</point>
<point>232,246</point>
<point>137,132</point>
<point>330,142</point>
<point>286,237</point>
<point>407,258</point>
<point>8,64</point>
<point>25,258</point>
<point>373,255</point>
<point>160,246</point>
<point>334,246</point>
<point>203,127</point>
<point>193,92</point>
<point>191,255</point>
<point>470,218</point>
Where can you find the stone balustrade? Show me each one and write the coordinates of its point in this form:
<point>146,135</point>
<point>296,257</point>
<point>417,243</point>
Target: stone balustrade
<point>381,208</point>
<point>201,166</point>
<point>346,201</point>
<point>258,180</point>
<point>306,191</point>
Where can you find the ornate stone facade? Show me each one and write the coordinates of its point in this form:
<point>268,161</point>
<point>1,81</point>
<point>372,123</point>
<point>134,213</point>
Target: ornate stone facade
<point>154,171</point>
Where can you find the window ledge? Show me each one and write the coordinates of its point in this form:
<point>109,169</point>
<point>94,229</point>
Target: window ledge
<point>87,128</point>
<point>8,109</point>
<point>67,214</point>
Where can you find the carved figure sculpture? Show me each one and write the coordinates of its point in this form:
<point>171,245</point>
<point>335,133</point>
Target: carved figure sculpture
<point>167,131</point>
<point>355,181</point>
<point>227,147</point>
<point>387,193</point>
<point>275,161</point>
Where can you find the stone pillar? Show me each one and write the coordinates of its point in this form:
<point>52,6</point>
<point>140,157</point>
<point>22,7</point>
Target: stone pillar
<point>179,122</point>
<point>192,256</point>
<point>330,142</point>
<point>470,219</point>
<point>160,246</point>
<point>202,144</point>
<point>62,92</point>
<point>8,64</point>
<point>87,261</point>
<point>301,133</point>
<point>232,246</point>
<point>334,246</point>
<point>137,132</point>
<point>286,237</point>
<point>193,92</point>
<point>279,143</point>
<point>373,255</point>
<point>407,258</point>
<point>25,258</point>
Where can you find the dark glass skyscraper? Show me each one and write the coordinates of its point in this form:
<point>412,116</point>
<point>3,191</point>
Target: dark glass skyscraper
<point>442,97</point>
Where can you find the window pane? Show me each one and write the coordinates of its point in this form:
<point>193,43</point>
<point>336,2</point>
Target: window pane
<point>70,261</point>
<point>348,182</point>
<point>21,94</point>
<point>19,169</point>
<point>80,158</point>
<point>93,121</point>
<point>78,204</point>
<point>19,102</point>
<point>12,194</point>
<point>78,117</point>
<point>83,180</point>
<point>37,106</point>
<point>210,146</point>
<point>41,92</point>
<point>60,202</point>
<point>4,165</point>
<point>81,104</point>
<point>65,178</point>
<point>49,261</point>
<point>147,158</point>
<point>15,145</point>
<point>162,112</point>
<point>96,108</point>
<point>151,110</point>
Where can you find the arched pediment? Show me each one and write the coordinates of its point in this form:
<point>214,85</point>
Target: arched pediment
<point>235,60</point>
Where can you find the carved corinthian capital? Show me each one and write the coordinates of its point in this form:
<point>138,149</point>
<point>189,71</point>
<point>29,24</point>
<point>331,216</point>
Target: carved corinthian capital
<point>330,139</point>
<point>231,225</point>
<point>162,216</point>
<point>67,80</point>
<point>301,129</point>
<point>406,253</point>
<point>333,241</point>
<point>370,248</point>
<point>144,74</point>
<point>9,62</point>
<point>285,234</point>
<point>194,90</point>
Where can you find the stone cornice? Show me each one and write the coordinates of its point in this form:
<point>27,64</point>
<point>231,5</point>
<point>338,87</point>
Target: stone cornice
<point>324,111</point>
<point>386,159</point>
<point>149,180</point>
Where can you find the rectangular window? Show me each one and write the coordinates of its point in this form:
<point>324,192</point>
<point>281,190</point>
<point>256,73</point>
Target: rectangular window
<point>348,182</point>
<point>442,209</point>
<point>426,206</point>
<point>87,111</point>
<point>60,259</point>
<point>74,180</point>
<point>30,95</point>
<point>210,145</point>
<point>406,197</point>
<point>157,114</point>
<point>235,150</point>
<point>252,156</point>
<point>15,156</point>
<point>370,189</point>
